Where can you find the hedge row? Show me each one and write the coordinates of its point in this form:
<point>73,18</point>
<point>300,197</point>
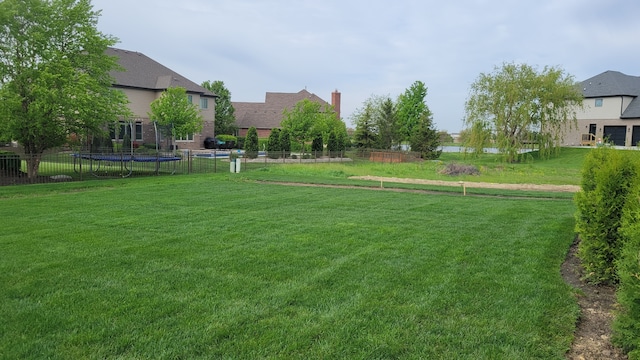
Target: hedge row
<point>608,210</point>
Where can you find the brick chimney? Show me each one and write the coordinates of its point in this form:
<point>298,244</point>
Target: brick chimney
<point>335,102</point>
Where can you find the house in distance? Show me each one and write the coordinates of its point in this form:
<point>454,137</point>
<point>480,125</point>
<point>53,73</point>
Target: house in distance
<point>143,80</point>
<point>267,115</point>
<point>611,111</point>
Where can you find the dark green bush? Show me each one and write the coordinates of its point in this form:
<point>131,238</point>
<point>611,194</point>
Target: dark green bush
<point>251,144</point>
<point>609,176</point>
<point>626,326</point>
<point>285,142</point>
<point>317,144</point>
<point>240,143</point>
<point>9,162</point>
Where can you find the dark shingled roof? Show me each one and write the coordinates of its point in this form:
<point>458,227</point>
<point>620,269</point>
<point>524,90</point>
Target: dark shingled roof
<point>615,83</point>
<point>268,115</point>
<point>142,72</point>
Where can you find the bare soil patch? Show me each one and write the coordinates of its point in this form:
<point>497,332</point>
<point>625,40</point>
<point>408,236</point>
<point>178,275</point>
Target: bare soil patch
<point>597,302</point>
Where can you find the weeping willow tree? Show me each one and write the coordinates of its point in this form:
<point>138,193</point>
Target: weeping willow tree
<point>519,105</point>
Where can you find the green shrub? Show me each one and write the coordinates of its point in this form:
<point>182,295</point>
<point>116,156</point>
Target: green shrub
<point>316,144</point>
<point>9,162</point>
<point>240,143</point>
<point>608,179</point>
<point>285,142</point>
<point>225,137</point>
<point>626,326</point>
<point>251,144</point>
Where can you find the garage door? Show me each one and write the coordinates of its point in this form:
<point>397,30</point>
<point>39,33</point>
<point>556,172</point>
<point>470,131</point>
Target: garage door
<point>635,136</point>
<point>616,134</point>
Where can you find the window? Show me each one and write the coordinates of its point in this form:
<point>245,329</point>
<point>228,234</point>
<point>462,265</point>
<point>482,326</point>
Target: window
<point>190,98</point>
<point>124,130</point>
<point>598,102</point>
<point>188,137</point>
<point>204,103</point>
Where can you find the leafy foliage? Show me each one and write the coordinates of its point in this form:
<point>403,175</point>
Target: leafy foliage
<point>412,109</point>
<point>225,113</point>
<point>626,326</point>
<point>387,124</point>
<point>609,179</point>
<point>516,102</point>
<point>285,142</point>
<point>251,143</point>
<point>54,74</point>
<point>306,118</point>
<point>316,144</point>
<point>173,111</point>
<point>273,143</point>
<point>366,134</point>
<point>426,140</point>
<point>335,144</point>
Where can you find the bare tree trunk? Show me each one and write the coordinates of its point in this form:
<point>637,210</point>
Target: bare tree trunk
<point>33,163</point>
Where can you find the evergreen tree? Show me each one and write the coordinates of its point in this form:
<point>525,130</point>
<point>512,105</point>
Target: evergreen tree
<point>425,139</point>
<point>366,133</point>
<point>316,144</point>
<point>273,144</point>
<point>333,145</point>
<point>225,113</point>
<point>285,142</point>
<point>251,143</point>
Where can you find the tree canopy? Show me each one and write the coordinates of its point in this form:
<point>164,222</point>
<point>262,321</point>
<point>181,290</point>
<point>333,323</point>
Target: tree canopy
<point>518,105</point>
<point>412,108</point>
<point>54,74</point>
<point>225,113</point>
<point>385,124</point>
<point>173,111</point>
<point>308,117</point>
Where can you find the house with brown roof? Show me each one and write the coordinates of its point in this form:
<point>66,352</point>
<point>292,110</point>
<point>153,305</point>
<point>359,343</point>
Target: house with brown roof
<point>143,80</point>
<point>268,115</point>
<point>611,111</point>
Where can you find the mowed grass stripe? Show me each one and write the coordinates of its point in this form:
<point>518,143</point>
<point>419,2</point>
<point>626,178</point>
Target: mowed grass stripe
<point>202,267</point>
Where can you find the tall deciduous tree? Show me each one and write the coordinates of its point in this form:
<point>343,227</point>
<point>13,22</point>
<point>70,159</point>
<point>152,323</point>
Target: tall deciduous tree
<point>305,118</point>
<point>518,101</point>
<point>412,108</point>
<point>225,113</point>
<point>173,111</point>
<point>54,74</point>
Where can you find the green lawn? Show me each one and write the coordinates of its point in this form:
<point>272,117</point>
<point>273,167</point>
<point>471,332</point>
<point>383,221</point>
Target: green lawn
<point>211,266</point>
<point>561,170</point>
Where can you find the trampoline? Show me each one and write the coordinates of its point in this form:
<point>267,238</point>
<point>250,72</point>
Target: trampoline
<point>110,164</point>
<point>98,161</point>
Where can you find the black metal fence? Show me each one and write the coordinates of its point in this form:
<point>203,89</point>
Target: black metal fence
<point>67,165</point>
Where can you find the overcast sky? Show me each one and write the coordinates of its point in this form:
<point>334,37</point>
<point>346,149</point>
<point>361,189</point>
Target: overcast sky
<point>371,47</point>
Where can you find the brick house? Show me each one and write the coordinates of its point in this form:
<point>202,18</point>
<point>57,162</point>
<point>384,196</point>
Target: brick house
<point>611,111</point>
<point>267,115</point>
<point>143,80</point>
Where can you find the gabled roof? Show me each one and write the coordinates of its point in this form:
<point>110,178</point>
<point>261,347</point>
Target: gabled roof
<point>614,83</point>
<point>268,115</point>
<point>142,72</point>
